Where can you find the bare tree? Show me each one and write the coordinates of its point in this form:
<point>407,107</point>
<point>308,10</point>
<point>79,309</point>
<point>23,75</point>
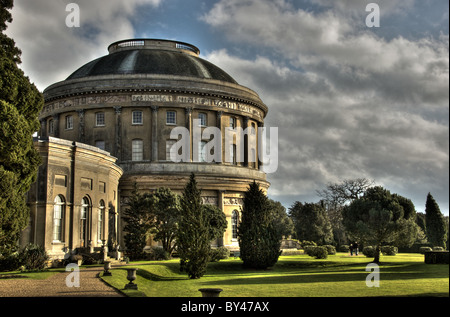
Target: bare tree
<point>339,194</point>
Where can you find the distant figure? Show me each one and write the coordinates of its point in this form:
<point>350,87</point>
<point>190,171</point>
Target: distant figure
<point>355,246</point>
<point>351,249</point>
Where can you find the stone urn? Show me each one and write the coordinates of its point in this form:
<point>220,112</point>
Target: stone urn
<point>210,292</point>
<point>107,267</point>
<point>131,276</point>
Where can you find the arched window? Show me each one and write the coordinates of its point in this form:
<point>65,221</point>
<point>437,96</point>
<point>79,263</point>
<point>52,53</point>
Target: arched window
<point>84,216</point>
<point>101,216</point>
<point>58,218</point>
<point>234,224</point>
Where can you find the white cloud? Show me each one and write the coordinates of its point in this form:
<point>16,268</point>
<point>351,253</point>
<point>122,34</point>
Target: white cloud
<point>353,105</point>
<point>51,50</point>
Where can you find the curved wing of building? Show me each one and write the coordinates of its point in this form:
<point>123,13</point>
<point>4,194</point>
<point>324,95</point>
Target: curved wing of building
<point>164,113</point>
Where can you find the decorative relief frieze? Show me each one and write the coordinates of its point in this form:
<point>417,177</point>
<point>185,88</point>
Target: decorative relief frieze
<point>233,201</point>
<point>161,98</point>
<point>209,200</point>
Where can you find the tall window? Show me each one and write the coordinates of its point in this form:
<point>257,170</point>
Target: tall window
<point>101,215</point>
<point>51,126</point>
<point>202,117</point>
<point>100,119</point>
<point>137,150</point>
<point>202,151</point>
<point>137,117</point>
<point>58,218</point>
<point>171,117</point>
<point>232,122</point>
<point>69,122</point>
<point>232,154</point>
<point>169,144</point>
<point>84,213</point>
<point>234,224</point>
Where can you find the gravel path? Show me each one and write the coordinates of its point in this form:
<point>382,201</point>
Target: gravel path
<point>55,286</point>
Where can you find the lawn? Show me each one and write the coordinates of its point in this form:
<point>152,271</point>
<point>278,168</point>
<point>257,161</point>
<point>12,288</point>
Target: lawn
<point>293,276</point>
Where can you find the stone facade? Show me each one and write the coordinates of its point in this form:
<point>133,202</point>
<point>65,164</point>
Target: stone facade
<point>74,201</point>
<point>127,103</point>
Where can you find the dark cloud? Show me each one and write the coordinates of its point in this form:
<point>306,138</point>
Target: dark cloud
<point>351,104</point>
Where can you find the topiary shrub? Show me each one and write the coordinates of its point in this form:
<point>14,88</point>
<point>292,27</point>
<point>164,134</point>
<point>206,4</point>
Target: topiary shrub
<point>309,249</point>
<point>157,253</point>
<point>33,258</point>
<point>330,249</point>
<point>319,252</point>
<point>344,248</point>
<point>220,253</point>
<point>422,250</point>
<point>369,251</point>
<point>10,263</point>
<point>389,250</point>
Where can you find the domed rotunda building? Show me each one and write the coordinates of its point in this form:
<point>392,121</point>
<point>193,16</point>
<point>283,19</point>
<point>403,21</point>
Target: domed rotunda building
<point>108,126</point>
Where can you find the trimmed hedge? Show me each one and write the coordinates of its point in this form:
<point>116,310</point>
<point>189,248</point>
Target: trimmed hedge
<point>436,257</point>
<point>319,252</point>
<point>369,251</point>
<point>389,250</point>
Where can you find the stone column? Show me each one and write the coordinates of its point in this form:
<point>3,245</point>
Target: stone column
<point>81,125</point>
<point>56,125</point>
<point>258,163</point>
<point>220,194</point>
<point>222,133</point>
<point>43,132</point>
<point>246,148</point>
<point>188,124</point>
<point>118,137</point>
<point>154,133</point>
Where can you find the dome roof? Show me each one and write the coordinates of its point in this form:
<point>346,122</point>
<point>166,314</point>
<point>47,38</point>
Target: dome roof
<point>156,57</point>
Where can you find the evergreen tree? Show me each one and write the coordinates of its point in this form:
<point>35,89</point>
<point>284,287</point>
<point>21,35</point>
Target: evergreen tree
<point>259,237</point>
<point>378,217</point>
<point>138,218</point>
<point>193,232</point>
<point>167,215</point>
<point>311,223</point>
<point>436,228</point>
<point>20,104</point>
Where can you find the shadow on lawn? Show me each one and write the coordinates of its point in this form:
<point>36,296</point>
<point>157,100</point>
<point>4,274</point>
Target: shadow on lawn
<point>339,273</point>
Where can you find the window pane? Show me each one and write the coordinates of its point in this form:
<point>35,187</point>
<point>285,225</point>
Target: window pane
<point>69,122</point>
<point>100,119</point>
<point>137,150</point>
<point>51,127</point>
<point>171,117</point>
<point>234,224</point>
<point>169,144</point>
<point>137,117</point>
<point>232,122</point>
<point>202,151</point>
<point>202,117</point>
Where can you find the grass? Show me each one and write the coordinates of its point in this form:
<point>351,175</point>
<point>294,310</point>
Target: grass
<point>293,276</point>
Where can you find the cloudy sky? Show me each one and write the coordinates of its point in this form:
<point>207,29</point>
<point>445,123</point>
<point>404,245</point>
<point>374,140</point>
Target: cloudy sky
<point>349,101</point>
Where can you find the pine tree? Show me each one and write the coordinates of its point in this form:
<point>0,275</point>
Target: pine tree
<point>20,104</point>
<point>193,232</point>
<point>436,228</point>
<point>138,218</point>
<point>259,238</point>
